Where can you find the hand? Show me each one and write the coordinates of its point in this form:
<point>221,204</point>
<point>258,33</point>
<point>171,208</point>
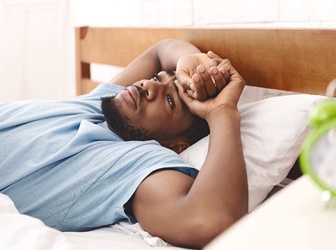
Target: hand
<point>202,75</point>
<point>227,98</point>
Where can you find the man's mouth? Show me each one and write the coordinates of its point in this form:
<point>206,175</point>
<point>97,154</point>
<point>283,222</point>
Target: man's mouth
<point>132,96</point>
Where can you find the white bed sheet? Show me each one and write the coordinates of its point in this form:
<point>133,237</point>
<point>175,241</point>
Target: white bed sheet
<point>18,231</point>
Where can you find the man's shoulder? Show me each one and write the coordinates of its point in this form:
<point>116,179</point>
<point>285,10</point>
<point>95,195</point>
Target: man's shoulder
<point>102,89</point>
<point>107,88</point>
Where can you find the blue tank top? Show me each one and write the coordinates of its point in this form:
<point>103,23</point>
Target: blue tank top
<point>59,162</point>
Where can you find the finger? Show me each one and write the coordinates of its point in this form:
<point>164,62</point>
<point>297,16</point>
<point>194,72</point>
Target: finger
<point>213,63</point>
<point>212,55</point>
<point>225,73</point>
<point>218,78</point>
<point>236,85</point>
<point>184,79</point>
<point>199,88</point>
<point>216,61</point>
<point>236,77</point>
<point>224,68</point>
<point>196,107</point>
<point>209,85</point>
<point>184,95</point>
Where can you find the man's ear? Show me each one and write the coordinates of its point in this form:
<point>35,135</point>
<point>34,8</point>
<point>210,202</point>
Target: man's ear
<point>179,146</point>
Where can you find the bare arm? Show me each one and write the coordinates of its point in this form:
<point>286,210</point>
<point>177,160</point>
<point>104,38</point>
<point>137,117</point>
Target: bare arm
<point>182,56</point>
<point>191,213</point>
<point>161,56</point>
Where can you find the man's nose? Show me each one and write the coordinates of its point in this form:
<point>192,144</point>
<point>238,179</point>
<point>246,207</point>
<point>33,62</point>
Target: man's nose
<point>153,89</point>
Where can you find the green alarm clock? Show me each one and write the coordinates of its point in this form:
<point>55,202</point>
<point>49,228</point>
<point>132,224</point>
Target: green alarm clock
<point>318,155</point>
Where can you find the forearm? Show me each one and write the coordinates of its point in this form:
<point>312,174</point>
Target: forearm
<point>161,56</point>
<point>218,197</point>
<point>222,180</point>
<point>171,50</point>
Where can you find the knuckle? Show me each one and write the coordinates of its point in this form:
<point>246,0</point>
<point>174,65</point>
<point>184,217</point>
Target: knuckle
<point>227,61</point>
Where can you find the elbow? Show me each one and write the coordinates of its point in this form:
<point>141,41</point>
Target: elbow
<point>208,228</point>
<point>210,224</point>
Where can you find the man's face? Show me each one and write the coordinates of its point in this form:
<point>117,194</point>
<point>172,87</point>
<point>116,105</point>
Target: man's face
<point>148,109</point>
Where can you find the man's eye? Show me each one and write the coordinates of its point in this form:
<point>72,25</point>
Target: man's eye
<point>170,100</point>
<point>155,78</point>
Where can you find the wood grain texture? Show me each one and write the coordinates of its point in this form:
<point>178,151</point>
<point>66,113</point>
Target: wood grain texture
<point>288,59</point>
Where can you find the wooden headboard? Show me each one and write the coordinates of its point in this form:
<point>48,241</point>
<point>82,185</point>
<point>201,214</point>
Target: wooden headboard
<point>289,59</point>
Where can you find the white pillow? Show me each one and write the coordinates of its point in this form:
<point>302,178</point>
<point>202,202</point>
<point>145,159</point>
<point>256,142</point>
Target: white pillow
<point>272,132</point>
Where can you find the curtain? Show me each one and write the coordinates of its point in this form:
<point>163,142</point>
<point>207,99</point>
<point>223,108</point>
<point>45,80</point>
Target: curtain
<point>36,50</point>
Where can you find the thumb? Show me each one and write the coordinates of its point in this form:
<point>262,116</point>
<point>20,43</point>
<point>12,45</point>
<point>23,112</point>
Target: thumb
<point>195,107</point>
<point>184,94</point>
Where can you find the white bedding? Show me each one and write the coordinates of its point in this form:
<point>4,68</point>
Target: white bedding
<point>18,231</point>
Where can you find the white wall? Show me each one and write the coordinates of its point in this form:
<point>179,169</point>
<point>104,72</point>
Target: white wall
<point>37,45</point>
<point>216,13</point>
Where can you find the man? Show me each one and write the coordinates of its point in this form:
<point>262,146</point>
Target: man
<point>77,165</point>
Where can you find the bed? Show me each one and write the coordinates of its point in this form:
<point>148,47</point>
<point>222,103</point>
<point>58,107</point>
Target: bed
<point>287,72</point>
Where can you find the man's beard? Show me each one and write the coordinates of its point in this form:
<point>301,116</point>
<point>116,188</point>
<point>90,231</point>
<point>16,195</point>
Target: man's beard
<point>119,124</point>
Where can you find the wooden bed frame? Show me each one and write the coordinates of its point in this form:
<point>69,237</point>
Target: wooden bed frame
<point>288,59</point>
